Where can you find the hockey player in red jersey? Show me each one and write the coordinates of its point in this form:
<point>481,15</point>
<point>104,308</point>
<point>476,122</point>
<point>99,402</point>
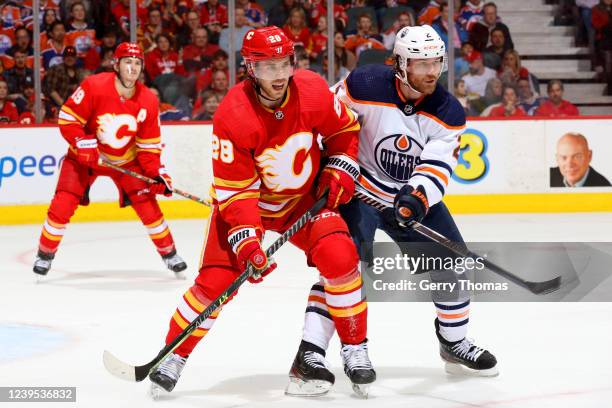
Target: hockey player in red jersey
<point>113,117</point>
<point>265,161</point>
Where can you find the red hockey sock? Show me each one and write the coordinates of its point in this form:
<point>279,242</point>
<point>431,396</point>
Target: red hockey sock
<point>60,211</point>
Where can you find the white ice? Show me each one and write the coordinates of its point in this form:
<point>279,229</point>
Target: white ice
<point>109,290</point>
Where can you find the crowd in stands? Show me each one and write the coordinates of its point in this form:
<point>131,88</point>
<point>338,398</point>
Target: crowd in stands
<point>187,42</point>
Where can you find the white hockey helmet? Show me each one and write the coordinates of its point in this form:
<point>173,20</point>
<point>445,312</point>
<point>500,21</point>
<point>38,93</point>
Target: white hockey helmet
<point>419,42</point>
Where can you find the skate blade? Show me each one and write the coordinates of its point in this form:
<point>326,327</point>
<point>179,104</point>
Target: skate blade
<point>180,275</point>
<point>38,278</point>
<point>459,369</point>
<point>156,392</point>
<point>312,388</point>
<point>362,390</point>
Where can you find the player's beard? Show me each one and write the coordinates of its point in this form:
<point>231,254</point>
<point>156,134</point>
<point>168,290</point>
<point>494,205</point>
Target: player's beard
<point>425,84</point>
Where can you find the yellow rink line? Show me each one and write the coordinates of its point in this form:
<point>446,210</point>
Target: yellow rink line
<point>458,204</point>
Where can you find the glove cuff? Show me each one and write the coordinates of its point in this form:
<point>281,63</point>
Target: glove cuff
<point>239,236</point>
<point>344,163</point>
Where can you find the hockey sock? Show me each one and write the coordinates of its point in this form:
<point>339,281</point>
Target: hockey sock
<point>190,306</point>
<point>60,211</point>
<point>318,323</point>
<point>151,216</point>
<point>346,304</point>
<point>453,318</point>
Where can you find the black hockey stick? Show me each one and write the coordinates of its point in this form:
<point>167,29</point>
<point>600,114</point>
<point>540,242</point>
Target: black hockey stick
<point>138,373</point>
<point>151,181</point>
<point>538,288</point>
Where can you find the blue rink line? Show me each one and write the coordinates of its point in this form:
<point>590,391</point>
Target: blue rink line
<point>18,341</point>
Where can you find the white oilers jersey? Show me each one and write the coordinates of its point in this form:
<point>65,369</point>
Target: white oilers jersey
<point>401,142</point>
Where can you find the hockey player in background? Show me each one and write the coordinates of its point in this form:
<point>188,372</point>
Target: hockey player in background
<point>265,162</point>
<point>111,116</point>
<point>409,144</point>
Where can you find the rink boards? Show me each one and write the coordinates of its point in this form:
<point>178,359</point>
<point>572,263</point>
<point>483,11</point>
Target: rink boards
<point>503,167</point>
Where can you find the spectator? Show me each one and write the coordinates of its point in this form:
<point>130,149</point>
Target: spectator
<point>172,15</point>
<point>440,24</point>
<point>586,25</point>
<point>555,106</point>
<point>53,50</point>
<point>151,30</point>
<point>344,57</point>
<point>509,105</point>
<point>163,59</point>
<point>7,38</point>
<point>478,76</point>
<point>511,70</point>
<point>602,23</point>
<point>219,63</point>
<point>210,102</point>
<point>192,23</point>
<point>23,43</point>
<point>320,9</point>
<point>81,35</point>
<point>296,28</point>
<point>365,37</point>
<point>121,12</point>
<point>199,54</point>
<point>18,78</point>
<point>429,13</point>
<point>214,17</point>
<point>167,111</point>
<point>220,84</point>
<point>462,96</point>
<point>318,39</point>
<point>12,13</point>
<point>529,101</point>
<point>254,13</point>
<point>49,17</point>
<point>106,62</point>
<point>404,19</point>
<point>239,32</point>
<point>8,110</point>
<point>492,98</point>
<point>462,66</point>
<point>340,72</point>
<point>480,27</point>
<point>62,80</point>
<point>279,14</point>
<point>466,13</point>
<point>494,53</point>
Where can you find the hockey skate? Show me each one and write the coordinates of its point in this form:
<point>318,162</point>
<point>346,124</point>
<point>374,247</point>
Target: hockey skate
<point>358,367</point>
<point>464,357</point>
<point>42,264</point>
<point>309,375</point>
<point>175,263</point>
<point>165,376</point>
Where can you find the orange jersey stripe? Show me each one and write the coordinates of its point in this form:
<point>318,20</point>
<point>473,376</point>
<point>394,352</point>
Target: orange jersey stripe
<point>434,172</point>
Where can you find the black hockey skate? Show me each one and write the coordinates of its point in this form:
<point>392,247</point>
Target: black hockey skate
<point>42,264</point>
<point>165,376</point>
<point>358,367</point>
<point>309,375</point>
<point>464,357</point>
<point>175,263</point>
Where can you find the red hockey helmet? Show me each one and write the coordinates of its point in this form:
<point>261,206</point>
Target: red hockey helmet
<point>126,49</point>
<point>267,43</point>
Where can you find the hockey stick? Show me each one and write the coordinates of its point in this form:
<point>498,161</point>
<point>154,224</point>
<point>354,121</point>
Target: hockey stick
<point>538,288</point>
<point>138,373</point>
<point>151,181</point>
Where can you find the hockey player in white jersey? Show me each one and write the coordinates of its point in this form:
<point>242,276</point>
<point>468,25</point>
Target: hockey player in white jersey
<point>409,144</point>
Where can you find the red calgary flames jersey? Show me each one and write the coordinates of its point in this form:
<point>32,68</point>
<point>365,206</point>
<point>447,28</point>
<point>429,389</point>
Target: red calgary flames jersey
<point>265,161</point>
<point>123,127</point>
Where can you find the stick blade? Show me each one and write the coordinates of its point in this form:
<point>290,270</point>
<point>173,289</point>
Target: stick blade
<point>118,368</point>
<point>542,288</point>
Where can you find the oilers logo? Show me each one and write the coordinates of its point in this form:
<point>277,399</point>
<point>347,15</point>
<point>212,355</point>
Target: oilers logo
<point>397,155</point>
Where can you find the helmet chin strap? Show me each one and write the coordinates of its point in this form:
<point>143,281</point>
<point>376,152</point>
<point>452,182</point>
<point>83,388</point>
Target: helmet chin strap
<point>118,74</point>
<point>259,93</point>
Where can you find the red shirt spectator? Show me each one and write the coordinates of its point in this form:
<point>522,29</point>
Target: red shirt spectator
<point>429,13</point>
<point>8,110</point>
<point>219,63</point>
<point>7,39</point>
<point>321,10</point>
<point>296,28</point>
<point>196,56</point>
<point>162,60</point>
<point>555,105</point>
<point>213,12</point>
<point>318,39</point>
<point>501,112</point>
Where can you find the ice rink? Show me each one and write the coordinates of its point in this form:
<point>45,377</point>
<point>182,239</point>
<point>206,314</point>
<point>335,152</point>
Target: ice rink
<point>108,289</point>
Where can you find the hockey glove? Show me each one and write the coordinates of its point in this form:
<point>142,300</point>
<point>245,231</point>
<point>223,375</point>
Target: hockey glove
<point>246,244</point>
<point>87,151</point>
<point>163,185</point>
<point>338,177</point>
<point>410,205</point>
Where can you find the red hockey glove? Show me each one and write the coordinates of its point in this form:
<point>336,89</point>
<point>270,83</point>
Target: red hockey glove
<point>338,176</point>
<point>411,205</point>
<point>163,185</point>
<point>245,242</point>
<point>87,151</point>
